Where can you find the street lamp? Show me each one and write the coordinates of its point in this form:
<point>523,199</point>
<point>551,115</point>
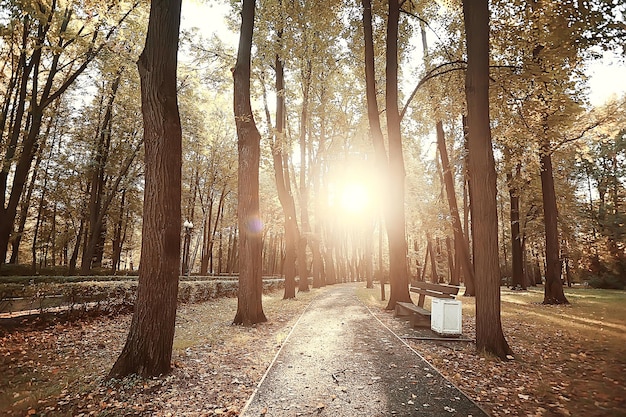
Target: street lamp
<point>188,227</point>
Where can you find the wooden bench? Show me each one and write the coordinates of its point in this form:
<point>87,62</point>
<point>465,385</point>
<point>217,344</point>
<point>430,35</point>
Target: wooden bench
<point>433,290</point>
<point>417,314</point>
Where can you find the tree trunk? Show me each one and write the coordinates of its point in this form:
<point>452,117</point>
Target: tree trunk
<point>289,264</point>
<point>489,335</point>
<point>249,306</point>
<point>6,215</point>
<point>206,239</point>
<point>24,206</point>
<point>283,181</point>
<point>380,155</point>
<point>396,224</point>
<point>369,256</point>
<point>316,239</point>
<point>214,233</point>
<point>231,257</point>
<point>331,274</point>
<point>118,234</point>
<point>98,179</point>
<point>381,270</point>
<point>22,169</point>
<point>38,222</point>
<point>460,242</point>
<point>453,278</point>
<point>318,263</point>
<point>470,286</point>
<point>305,224</point>
<point>430,253</point>
<point>52,236</point>
<point>392,168</point>
<point>148,348</point>
<point>553,292</point>
<point>517,271</point>
<point>79,235</point>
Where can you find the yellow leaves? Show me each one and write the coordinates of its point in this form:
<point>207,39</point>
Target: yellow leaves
<point>448,5</point>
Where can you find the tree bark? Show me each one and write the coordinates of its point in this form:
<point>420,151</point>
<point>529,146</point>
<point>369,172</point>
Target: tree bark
<point>391,168</point>
<point>71,270</point>
<point>249,306</point>
<point>517,269</point>
<point>396,223</point>
<point>207,238</point>
<point>553,291</point>
<point>489,335</point>
<point>281,175</point>
<point>329,262</point>
<point>119,234</point>
<point>460,242</point>
<point>470,286</point>
<point>305,224</point>
<point>24,206</point>
<point>98,181</point>
<point>148,348</point>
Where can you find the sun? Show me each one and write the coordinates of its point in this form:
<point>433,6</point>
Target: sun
<point>355,197</point>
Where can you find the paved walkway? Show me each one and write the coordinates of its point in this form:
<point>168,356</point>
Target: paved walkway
<point>340,361</point>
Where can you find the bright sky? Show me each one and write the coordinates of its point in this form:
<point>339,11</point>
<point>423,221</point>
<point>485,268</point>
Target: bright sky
<point>208,16</point>
<point>608,77</point>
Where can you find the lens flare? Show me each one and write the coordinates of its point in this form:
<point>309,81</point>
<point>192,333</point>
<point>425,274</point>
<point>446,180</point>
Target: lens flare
<point>254,225</point>
<point>355,197</point>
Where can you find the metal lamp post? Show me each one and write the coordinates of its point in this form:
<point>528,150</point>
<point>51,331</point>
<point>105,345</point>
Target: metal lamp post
<point>188,227</point>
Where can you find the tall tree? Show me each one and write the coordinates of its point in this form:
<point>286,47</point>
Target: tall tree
<point>148,348</point>
<point>98,182</point>
<point>280,157</point>
<point>390,168</point>
<point>463,263</point>
<point>398,272</point>
<point>249,304</point>
<point>283,185</point>
<point>517,265</point>
<point>489,335</point>
<point>460,241</point>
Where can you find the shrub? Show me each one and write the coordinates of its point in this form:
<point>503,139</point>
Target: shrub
<point>607,281</point>
<point>104,295</point>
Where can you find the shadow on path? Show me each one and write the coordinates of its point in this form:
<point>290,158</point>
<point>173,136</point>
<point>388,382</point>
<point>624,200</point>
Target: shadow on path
<point>340,361</point>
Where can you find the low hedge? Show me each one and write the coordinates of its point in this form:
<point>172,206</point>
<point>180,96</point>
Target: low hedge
<point>106,295</point>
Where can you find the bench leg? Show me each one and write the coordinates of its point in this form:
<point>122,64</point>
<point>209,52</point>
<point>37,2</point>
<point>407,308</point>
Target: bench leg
<point>417,320</point>
<point>420,301</point>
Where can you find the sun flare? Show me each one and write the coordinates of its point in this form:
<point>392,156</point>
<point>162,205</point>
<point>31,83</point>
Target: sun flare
<point>355,197</point>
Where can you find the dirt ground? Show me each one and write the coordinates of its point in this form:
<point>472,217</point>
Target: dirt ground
<point>566,364</point>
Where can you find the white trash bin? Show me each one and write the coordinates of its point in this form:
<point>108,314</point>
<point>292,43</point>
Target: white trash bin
<point>445,319</point>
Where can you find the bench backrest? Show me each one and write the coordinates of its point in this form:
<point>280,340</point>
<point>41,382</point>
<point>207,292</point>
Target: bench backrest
<point>442,288</point>
<point>433,290</point>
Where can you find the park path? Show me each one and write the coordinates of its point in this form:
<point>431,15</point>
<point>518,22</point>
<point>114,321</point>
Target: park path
<point>340,361</point>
